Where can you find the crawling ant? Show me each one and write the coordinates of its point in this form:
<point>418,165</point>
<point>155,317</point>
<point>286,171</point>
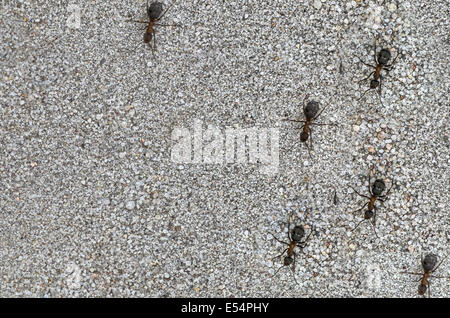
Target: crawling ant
<point>311,112</point>
<point>381,61</point>
<point>375,194</point>
<point>429,266</point>
<point>295,239</point>
<point>154,15</point>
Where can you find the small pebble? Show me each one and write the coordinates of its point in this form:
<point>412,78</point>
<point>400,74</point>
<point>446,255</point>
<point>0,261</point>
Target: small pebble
<point>317,4</point>
<point>130,205</point>
<point>392,7</point>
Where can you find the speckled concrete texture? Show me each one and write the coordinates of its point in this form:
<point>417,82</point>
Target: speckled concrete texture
<point>92,203</point>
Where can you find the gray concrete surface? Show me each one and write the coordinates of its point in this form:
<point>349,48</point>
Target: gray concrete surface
<point>91,203</point>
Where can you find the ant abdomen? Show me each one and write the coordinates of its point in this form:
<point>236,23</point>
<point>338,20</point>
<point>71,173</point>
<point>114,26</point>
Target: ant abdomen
<point>422,289</point>
<point>288,260</point>
<point>374,83</point>
<point>368,214</point>
<point>304,136</point>
<point>147,37</point>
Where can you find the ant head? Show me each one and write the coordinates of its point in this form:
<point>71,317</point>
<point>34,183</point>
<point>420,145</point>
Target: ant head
<point>378,187</point>
<point>154,10</point>
<point>311,109</point>
<point>429,262</point>
<point>304,136</point>
<point>297,233</point>
<point>288,260</point>
<point>374,83</point>
<point>384,56</point>
<point>368,214</point>
<point>422,289</point>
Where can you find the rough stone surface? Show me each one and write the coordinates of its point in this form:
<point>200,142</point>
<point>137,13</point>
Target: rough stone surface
<point>91,203</point>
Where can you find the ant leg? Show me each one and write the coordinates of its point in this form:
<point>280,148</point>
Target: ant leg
<point>278,270</point>
<point>289,227</point>
<point>365,79</point>
<point>146,22</point>
<point>365,63</point>
<point>363,94</point>
<point>383,198</point>
<point>429,289</point>
<point>154,40</point>
<point>360,208</point>
<point>323,124</point>
<point>160,17</point>
<point>370,187</point>
<point>379,91</point>
<point>166,25</point>
<point>374,215</point>
<point>304,101</point>
<point>304,243</point>
<point>375,51</point>
<point>411,273</point>
<point>358,224</point>
<point>387,193</point>
<point>436,267</point>
<point>390,65</point>
<point>373,223</point>
<point>320,112</point>
<point>293,270</point>
<point>375,231</point>
<point>361,195</point>
<point>310,138</point>
<point>279,240</point>
<point>294,120</point>
<point>309,151</point>
<point>440,277</point>
<point>295,143</point>
<point>279,255</point>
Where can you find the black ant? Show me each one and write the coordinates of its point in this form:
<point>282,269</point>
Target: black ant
<point>154,15</point>
<point>375,194</point>
<point>429,266</point>
<point>295,239</point>
<point>381,61</point>
<point>311,112</point>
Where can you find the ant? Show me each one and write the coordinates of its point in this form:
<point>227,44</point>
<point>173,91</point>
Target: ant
<point>375,192</point>
<point>429,266</point>
<point>154,15</point>
<point>311,112</point>
<point>295,239</point>
<point>381,61</point>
